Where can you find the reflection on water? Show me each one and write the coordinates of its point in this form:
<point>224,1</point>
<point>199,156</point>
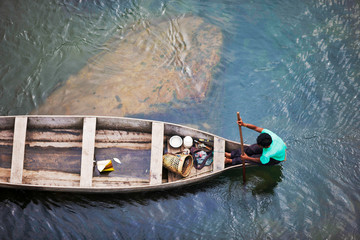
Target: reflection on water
<point>265,179</point>
<point>68,214</point>
<point>289,66</point>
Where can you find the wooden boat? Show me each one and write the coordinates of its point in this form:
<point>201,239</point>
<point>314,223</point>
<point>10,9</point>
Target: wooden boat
<point>57,153</point>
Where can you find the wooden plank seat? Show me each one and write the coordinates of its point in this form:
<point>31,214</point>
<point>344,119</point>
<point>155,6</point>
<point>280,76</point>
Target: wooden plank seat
<point>17,161</point>
<point>157,147</point>
<point>219,154</point>
<point>88,149</point>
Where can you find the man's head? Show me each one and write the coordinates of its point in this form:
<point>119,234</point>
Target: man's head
<point>264,140</point>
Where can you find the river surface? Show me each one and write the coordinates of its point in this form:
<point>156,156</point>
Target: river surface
<point>290,66</point>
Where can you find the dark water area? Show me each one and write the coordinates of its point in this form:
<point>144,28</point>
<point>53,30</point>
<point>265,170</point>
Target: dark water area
<point>289,66</point>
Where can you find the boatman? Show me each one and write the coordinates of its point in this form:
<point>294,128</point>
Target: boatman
<point>268,150</point>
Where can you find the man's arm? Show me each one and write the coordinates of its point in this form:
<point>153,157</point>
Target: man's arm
<point>251,126</point>
<point>246,157</point>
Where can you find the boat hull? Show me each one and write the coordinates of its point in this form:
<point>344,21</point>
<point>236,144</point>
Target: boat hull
<point>59,153</point>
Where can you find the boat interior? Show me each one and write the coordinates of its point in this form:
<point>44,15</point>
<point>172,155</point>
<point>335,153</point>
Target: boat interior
<point>62,151</point>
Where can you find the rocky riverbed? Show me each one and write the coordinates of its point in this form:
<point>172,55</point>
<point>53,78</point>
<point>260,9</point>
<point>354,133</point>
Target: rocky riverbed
<point>149,68</point>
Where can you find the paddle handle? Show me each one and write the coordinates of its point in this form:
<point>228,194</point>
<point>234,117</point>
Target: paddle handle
<point>242,148</point>
<point>241,136</point>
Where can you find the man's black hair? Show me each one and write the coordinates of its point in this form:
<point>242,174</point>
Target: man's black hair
<point>264,140</point>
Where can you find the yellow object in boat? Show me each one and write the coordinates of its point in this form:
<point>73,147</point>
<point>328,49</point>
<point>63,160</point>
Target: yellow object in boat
<point>105,166</point>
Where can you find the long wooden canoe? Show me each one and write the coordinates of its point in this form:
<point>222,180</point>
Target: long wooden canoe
<point>57,153</point>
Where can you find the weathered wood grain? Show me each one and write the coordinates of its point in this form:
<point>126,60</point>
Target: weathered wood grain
<point>53,159</point>
<point>51,178</point>
<point>219,154</point>
<point>133,163</point>
<point>173,129</point>
<point>74,135</point>
<point>64,122</point>
<point>118,182</point>
<point>5,174</point>
<point>126,124</point>
<point>87,156</point>
<point>67,138</point>
<point>7,136</point>
<point>17,160</point>
<point>157,145</point>
<point>5,156</point>
<point>7,123</point>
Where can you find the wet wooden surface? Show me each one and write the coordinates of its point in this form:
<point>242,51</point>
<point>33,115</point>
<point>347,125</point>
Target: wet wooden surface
<point>5,156</point>
<point>53,159</point>
<point>134,163</point>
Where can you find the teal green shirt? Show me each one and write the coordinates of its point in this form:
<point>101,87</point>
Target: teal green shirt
<point>276,150</point>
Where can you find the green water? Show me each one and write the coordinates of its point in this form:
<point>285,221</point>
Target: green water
<point>289,66</point>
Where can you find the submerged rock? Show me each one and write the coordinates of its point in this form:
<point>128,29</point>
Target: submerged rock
<point>146,70</point>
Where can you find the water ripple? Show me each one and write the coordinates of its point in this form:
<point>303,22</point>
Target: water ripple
<point>290,66</point>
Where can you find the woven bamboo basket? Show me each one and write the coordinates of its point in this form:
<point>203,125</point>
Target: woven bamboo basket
<point>178,163</point>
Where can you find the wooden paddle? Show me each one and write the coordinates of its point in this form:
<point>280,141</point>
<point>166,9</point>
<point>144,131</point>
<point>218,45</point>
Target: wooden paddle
<point>242,148</point>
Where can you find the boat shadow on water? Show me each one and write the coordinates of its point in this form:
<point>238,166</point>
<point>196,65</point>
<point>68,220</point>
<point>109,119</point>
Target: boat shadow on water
<point>259,180</point>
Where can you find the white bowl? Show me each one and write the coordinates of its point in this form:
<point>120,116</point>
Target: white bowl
<point>175,141</point>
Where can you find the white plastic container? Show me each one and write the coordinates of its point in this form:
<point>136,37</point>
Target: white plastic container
<point>188,142</point>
